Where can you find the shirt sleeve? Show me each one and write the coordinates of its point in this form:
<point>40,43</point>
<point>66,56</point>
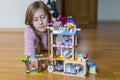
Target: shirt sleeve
<point>29,39</point>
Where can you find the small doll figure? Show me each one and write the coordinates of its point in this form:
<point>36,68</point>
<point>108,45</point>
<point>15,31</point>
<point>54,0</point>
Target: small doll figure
<point>57,52</point>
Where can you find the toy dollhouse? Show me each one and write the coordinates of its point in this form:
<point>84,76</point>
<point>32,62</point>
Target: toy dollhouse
<point>64,57</point>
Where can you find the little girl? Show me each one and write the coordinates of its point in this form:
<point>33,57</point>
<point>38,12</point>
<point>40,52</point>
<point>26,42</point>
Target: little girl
<point>35,36</point>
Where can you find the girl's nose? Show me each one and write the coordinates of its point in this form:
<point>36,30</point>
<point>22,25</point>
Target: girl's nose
<point>40,21</point>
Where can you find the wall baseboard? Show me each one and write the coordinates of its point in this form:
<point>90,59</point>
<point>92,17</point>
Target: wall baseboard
<point>109,21</point>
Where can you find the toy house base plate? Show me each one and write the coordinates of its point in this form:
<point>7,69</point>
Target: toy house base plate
<point>62,73</point>
<point>33,73</point>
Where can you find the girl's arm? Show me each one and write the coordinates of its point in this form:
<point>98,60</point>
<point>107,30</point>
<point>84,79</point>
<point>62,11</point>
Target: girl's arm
<point>29,38</point>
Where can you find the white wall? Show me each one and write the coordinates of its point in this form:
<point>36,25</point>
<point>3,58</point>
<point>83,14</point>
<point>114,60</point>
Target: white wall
<point>12,13</point>
<point>108,10</point>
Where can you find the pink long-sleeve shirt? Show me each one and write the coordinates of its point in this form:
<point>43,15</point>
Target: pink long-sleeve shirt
<point>29,41</point>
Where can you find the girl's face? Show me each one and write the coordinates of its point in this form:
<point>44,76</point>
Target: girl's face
<point>40,20</point>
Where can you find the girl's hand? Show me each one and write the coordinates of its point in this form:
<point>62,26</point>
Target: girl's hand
<point>34,63</point>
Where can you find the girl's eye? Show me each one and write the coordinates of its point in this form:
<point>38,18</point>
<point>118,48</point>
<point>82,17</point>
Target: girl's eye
<point>42,17</point>
<point>35,19</point>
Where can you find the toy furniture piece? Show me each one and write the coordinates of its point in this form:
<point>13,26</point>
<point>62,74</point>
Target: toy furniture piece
<point>64,57</point>
<point>91,67</point>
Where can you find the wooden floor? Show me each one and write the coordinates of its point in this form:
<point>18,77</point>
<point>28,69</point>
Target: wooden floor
<point>102,41</point>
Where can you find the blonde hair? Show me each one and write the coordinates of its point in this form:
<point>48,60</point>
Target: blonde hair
<point>31,10</point>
